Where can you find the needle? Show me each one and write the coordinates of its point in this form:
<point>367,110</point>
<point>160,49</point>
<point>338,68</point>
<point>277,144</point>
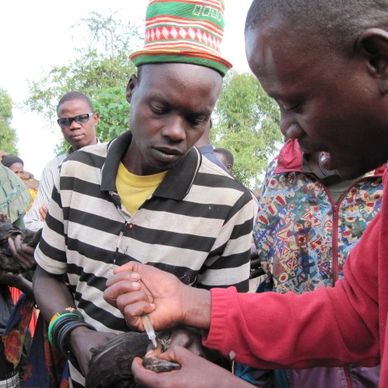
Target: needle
<point>149,329</point>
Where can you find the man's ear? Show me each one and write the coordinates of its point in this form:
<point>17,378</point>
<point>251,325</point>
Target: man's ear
<point>96,116</point>
<point>131,86</point>
<point>373,45</point>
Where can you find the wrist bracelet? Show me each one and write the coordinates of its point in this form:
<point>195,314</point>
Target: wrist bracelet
<point>60,317</point>
<point>60,327</point>
<point>63,338</point>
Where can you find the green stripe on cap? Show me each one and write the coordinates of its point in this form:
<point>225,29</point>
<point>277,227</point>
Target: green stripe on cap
<point>189,10</point>
<point>187,31</point>
<point>150,59</point>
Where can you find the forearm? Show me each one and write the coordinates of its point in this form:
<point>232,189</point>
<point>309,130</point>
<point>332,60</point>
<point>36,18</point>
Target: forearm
<point>313,329</point>
<point>196,305</point>
<point>24,285</point>
<point>327,327</point>
<point>32,219</point>
<point>51,293</point>
<point>232,381</point>
<point>17,281</point>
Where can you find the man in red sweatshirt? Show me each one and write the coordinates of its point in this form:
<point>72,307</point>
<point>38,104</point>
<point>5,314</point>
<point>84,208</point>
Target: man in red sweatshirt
<point>326,64</point>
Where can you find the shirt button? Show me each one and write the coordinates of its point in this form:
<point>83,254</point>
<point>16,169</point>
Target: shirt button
<point>130,226</point>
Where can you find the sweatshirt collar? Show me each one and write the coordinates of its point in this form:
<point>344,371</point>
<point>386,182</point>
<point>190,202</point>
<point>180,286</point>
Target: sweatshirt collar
<point>290,159</point>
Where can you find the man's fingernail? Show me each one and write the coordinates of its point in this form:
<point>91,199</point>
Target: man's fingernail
<point>136,285</point>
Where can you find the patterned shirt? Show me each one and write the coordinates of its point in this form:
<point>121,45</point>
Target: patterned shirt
<point>303,235</point>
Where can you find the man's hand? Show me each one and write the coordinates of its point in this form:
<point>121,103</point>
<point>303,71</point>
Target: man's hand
<point>18,281</point>
<point>43,213</point>
<point>82,340</point>
<point>137,289</point>
<point>195,372</point>
<point>22,252</point>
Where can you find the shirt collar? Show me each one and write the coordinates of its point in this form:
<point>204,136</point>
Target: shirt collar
<point>176,183</point>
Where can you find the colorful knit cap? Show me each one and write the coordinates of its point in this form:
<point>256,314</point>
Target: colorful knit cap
<point>184,31</point>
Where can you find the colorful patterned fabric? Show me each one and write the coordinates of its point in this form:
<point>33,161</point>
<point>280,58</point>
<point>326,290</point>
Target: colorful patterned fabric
<point>46,366</point>
<point>302,235</point>
<point>13,338</point>
<point>303,239</point>
<point>184,31</point>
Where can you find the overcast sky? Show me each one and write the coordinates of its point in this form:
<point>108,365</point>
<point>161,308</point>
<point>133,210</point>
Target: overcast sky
<point>36,35</point>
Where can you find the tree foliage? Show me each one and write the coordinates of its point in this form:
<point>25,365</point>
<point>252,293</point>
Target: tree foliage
<point>8,136</point>
<point>246,120</point>
<point>100,69</point>
<point>247,124</point>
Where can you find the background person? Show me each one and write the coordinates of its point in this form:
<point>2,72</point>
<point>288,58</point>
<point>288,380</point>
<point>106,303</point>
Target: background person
<point>16,164</point>
<point>206,148</point>
<point>78,122</point>
<point>226,158</point>
<point>14,200</point>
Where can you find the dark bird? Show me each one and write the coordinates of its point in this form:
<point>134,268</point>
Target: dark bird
<point>110,365</point>
<point>7,262</point>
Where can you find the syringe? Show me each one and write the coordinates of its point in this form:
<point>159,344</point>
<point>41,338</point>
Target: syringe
<point>149,329</point>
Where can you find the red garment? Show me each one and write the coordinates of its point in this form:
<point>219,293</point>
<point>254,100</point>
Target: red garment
<point>327,327</point>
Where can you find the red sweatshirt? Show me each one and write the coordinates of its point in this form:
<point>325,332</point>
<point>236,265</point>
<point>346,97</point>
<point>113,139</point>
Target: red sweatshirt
<point>327,327</point>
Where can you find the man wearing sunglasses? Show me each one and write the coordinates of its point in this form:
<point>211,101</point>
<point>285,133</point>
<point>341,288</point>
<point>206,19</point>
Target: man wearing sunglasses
<point>78,122</point>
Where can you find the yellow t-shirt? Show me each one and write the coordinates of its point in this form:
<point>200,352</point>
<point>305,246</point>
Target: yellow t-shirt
<point>133,189</point>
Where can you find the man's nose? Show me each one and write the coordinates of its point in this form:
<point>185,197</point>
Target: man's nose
<point>289,127</point>
<point>74,125</point>
<point>175,130</point>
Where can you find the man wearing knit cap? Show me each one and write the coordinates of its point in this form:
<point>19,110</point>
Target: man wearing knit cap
<point>148,195</point>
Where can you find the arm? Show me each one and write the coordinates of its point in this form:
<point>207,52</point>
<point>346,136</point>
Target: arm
<point>52,295</point>
<point>51,292</point>
<point>17,281</point>
<point>168,301</point>
<point>33,219</point>
<point>312,329</point>
<point>327,327</point>
<point>24,254</point>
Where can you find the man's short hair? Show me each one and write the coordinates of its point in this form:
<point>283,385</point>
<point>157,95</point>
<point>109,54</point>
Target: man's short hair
<point>9,160</point>
<point>227,155</point>
<point>339,22</point>
<point>75,96</point>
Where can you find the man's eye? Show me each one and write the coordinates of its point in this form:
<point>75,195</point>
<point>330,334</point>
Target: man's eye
<point>157,109</point>
<point>291,107</point>
<point>198,120</point>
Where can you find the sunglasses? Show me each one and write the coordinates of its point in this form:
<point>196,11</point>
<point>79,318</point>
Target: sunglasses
<point>65,122</point>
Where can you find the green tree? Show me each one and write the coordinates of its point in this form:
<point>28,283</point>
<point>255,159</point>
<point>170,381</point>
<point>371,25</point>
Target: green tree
<point>246,120</point>
<point>100,69</point>
<point>113,108</point>
<point>247,124</point>
<point>8,136</point>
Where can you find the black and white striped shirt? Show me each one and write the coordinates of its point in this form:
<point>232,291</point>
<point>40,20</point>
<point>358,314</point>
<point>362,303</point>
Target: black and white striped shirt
<point>197,225</point>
